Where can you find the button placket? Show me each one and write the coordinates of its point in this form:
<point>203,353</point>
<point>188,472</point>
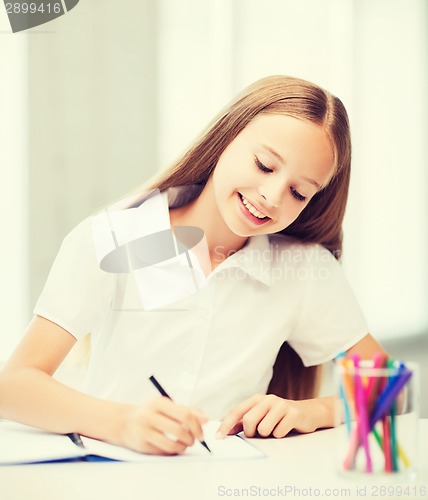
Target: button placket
<point>188,378</point>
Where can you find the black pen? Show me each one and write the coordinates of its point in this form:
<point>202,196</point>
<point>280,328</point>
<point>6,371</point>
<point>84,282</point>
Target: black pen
<point>164,393</point>
<point>76,439</point>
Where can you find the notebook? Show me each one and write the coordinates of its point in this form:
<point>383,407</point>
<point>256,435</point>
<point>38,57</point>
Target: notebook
<point>21,444</point>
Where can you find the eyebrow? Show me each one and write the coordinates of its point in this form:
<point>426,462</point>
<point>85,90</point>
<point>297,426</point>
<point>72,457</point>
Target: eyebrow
<point>281,159</point>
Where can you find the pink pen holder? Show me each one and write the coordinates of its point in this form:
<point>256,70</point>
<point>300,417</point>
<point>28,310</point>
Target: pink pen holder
<point>377,417</point>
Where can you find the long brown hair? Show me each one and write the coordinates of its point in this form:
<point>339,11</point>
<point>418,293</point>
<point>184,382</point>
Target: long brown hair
<point>320,221</point>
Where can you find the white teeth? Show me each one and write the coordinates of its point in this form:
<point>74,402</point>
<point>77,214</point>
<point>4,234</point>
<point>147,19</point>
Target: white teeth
<point>252,209</point>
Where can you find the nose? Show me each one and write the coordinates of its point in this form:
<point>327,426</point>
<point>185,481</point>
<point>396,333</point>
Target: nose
<point>272,192</point>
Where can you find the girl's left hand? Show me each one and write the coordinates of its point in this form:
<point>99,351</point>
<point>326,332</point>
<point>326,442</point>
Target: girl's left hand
<point>267,415</point>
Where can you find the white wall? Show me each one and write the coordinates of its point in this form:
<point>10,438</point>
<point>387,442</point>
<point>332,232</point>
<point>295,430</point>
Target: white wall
<point>14,271</point>
<point>92,117</point>
<point>388,236</point>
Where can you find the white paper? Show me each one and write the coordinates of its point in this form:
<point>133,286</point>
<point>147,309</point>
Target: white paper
<point>231,447</point>
<point>20,444</point>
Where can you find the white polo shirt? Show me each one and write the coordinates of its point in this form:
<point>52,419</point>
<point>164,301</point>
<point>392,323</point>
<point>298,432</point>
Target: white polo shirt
<point>211,348</point>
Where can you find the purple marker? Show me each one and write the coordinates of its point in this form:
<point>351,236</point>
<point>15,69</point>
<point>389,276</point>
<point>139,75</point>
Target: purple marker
<point>388,396</point>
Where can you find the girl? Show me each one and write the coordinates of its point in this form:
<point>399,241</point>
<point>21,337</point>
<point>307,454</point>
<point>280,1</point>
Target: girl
<point>267,183</point>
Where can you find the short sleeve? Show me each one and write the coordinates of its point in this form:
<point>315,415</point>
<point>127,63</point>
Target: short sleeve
<point>78,294</point>
<point>331,320</point>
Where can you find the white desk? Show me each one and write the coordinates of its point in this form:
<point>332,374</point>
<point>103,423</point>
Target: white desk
<point>302,461</point>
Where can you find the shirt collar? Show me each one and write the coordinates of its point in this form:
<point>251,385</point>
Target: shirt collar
<point>254,258</point>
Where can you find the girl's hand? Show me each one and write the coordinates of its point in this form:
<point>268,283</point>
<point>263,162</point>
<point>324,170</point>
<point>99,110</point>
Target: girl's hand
<point>161,427</point>
<point>266,415</point>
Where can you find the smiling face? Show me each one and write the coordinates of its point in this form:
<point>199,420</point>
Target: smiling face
<point>269,172</point>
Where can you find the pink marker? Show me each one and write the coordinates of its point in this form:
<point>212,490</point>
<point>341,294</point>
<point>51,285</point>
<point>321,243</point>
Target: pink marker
<point>373,382</point>
<point>363,420</point>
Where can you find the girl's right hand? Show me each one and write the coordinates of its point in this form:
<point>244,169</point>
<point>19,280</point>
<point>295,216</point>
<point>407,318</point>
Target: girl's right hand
<point>162,427</point>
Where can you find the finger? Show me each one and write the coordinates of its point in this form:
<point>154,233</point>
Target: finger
<point>254,416</point>
<point>236,428</point>
<point>173,428</point>
<point>276,412</point>
<point>164,444</point>
<point>234,417</point>
<point>153,441</point>
<point>199,415</point>
<point>287,424</point>
<point>183,415</point>
<point>195,427</point>
<point>148,449</point>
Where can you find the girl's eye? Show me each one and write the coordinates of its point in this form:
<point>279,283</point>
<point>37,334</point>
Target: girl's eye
<point>267,170</point>
<point>297,195</point>
<point>262,167</point>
